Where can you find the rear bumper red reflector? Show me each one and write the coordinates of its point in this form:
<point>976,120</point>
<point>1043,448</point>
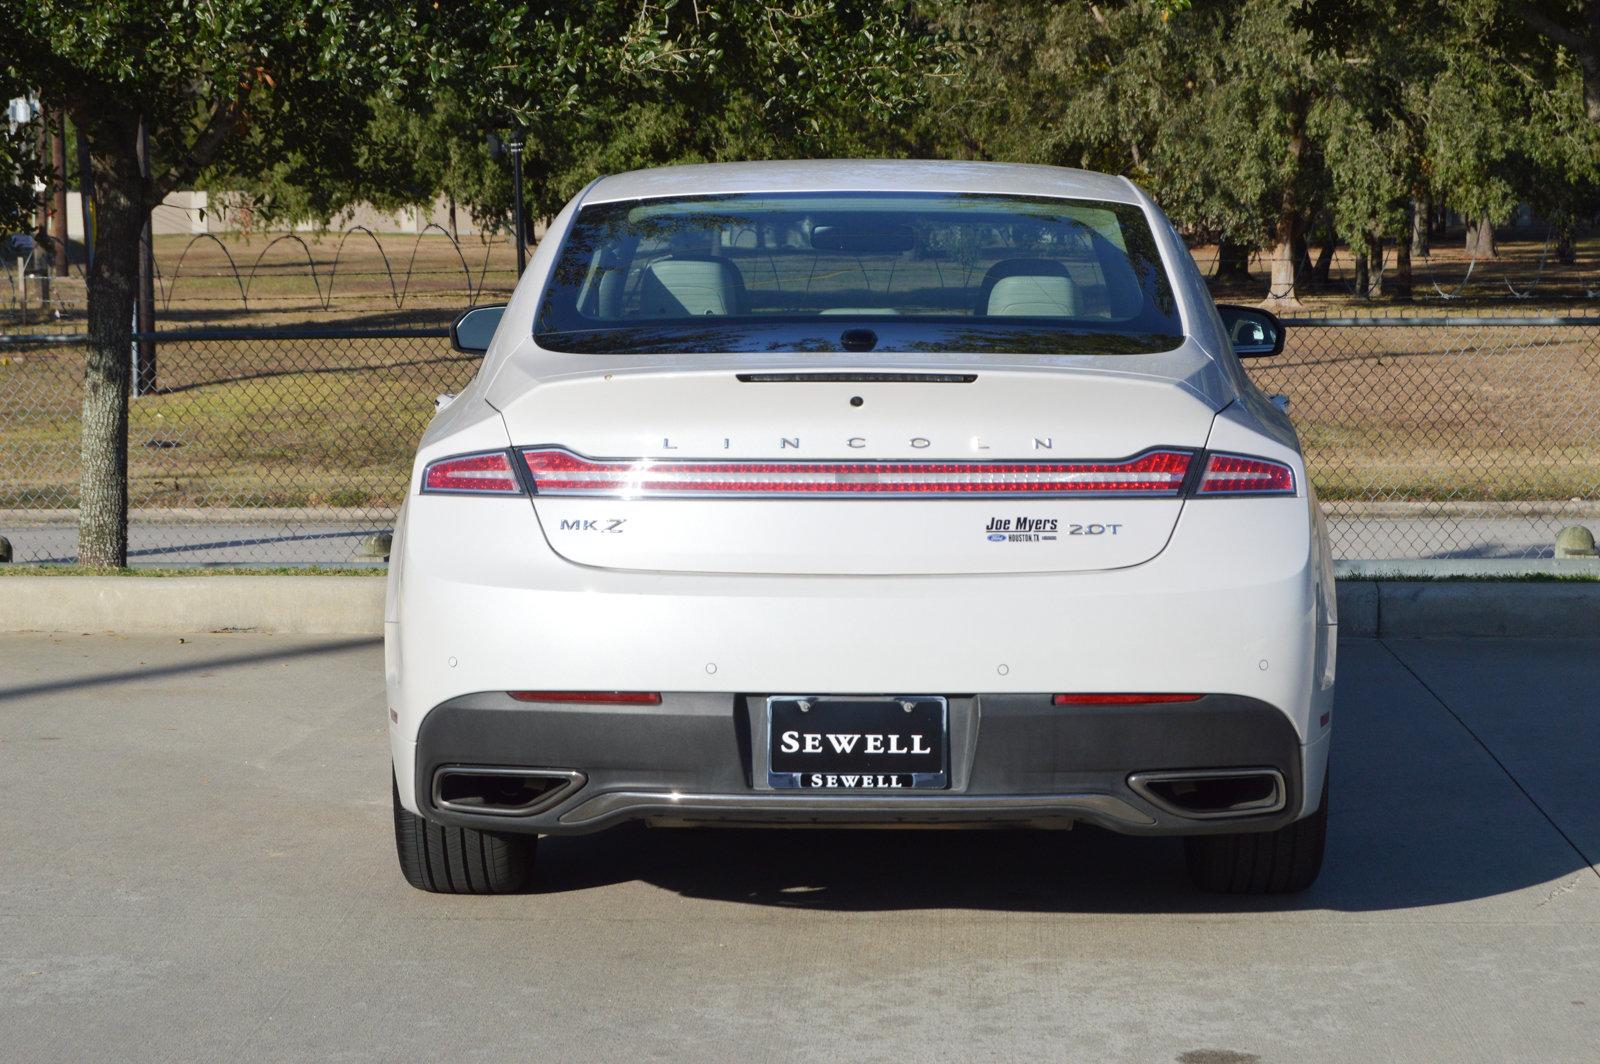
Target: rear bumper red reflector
<point>1120,699</point>
<point>618,698</point>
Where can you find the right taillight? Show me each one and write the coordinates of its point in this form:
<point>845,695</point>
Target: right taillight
<point>1242,474</point>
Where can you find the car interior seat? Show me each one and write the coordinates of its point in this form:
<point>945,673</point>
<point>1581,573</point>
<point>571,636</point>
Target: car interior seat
<point>690,286</point>
<point>1035,288</point>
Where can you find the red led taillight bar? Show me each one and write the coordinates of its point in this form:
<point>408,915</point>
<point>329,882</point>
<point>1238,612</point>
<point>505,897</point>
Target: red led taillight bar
<point>1240,474</point>
<point>489,473</point>
<point>558,472</point>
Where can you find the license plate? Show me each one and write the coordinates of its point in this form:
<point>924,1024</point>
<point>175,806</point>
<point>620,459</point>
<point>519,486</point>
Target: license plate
<point>857,744</point>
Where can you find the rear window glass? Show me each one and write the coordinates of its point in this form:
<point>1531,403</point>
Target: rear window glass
<point>859,271</point>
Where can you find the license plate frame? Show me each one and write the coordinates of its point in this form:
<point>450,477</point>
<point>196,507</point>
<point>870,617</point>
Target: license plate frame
<point>929,772</point>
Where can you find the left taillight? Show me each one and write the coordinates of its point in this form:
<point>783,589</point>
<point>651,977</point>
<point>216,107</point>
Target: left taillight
<point>487,473</point>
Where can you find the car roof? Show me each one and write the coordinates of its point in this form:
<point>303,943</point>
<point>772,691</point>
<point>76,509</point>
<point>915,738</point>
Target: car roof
<point>861,175</point>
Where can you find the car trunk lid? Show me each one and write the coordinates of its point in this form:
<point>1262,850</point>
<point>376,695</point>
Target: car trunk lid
<point>864,471</point>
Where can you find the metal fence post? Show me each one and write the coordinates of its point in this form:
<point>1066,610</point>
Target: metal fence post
<point>85,198</point>
<point>515,146</point>
<point>144,318</point>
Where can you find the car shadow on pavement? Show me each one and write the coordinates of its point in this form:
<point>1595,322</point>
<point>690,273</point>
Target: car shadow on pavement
<point>1421,814</point>
<point>1083,870</point>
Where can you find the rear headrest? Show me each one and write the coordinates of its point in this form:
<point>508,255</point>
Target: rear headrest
<point>1037,288</point>
<point>690,286</point>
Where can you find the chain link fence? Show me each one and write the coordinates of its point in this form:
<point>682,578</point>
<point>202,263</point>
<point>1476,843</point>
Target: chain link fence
<point>1426,437</point>
<point>1458,437</point>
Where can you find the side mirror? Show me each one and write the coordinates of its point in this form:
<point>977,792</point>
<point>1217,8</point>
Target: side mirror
<point>471,332</point>
<point>1253,332</point>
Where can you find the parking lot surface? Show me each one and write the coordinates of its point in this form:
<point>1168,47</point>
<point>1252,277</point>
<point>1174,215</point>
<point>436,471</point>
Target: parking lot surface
<point>196,865</point>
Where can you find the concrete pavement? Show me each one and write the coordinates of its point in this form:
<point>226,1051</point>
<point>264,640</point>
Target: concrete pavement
<point>197,866</point>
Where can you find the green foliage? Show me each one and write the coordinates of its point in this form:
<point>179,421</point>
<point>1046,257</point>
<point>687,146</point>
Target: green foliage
<point>18,161</point>
<point>623,84</point>
<point>1204,103</point>
<point>216,83</point>
<point>1255,120</point>
<point>18,170</point>
<point>599,87</point>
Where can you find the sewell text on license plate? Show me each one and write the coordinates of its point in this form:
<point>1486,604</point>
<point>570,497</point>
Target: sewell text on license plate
<point>859,744</point>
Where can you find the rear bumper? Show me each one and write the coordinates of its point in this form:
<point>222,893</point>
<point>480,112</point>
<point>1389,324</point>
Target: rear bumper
<point>478,603</point>
<point>1014,758</point>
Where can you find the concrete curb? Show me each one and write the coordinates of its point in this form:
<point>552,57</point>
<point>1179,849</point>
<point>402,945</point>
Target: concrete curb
<point>353,605</point>
<point>1544,609</point>
<point>303,605</point>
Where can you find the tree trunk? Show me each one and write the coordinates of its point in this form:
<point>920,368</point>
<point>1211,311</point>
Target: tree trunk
<point>1363,275</point>
<point>1420,216</point>
<point>1480,238</point>
<point>1292,220</point>
<point>1402,269</point>
<point>1285,262</point>
<point>1323,267</point>
<point>1302,256</point>
<point>120,212</point>
<point>58,182</point>
<point>1233,261</point>
<point>1374,266</point>
<point>1566,246</point>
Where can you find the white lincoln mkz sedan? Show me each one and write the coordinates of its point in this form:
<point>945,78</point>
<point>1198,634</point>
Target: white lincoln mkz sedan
<point>861,493</point>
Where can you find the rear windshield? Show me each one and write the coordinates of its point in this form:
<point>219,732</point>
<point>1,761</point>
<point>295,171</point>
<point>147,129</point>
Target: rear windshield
<point>859,271</point>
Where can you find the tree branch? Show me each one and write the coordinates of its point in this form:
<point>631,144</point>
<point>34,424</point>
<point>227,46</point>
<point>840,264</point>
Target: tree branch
<point>218,128</point>
<point>1555,31</point>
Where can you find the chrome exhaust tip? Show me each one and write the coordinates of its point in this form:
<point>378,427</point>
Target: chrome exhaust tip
<point>501,791</point>
<point>1202,794</point>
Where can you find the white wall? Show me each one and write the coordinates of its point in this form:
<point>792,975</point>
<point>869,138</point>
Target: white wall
<point>193,213</point>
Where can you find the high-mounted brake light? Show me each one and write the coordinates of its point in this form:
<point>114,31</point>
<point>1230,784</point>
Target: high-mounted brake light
<point>611,698</point>
<point>472,474</point>
<point>560,472</point>
<point>1119,699</point>
<point>1238,474</point>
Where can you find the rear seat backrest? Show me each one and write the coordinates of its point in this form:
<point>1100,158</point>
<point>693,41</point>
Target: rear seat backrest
<point>1030,295</point>
<point>684,286</point>
<point>1036,288</point>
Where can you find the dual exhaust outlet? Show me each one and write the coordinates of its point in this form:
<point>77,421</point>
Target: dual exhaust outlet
<point>501,791</point>
<point>1210,793</point>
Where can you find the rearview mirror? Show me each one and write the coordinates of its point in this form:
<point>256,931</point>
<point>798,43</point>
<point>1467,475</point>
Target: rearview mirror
<point>471,332</point>
<point>1253,332</point>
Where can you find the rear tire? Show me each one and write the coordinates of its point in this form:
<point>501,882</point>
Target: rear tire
<point>451,860</point>
<point>1285,861</point>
